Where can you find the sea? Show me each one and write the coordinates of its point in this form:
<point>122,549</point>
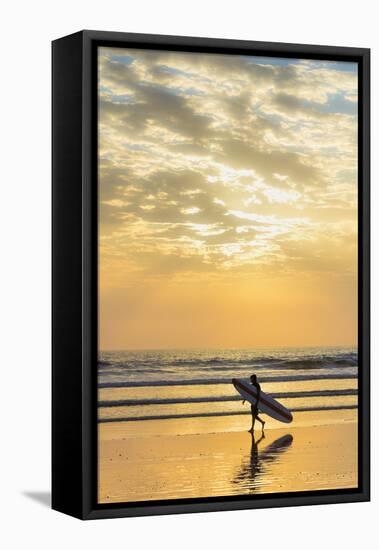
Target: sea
<point>141,385</point>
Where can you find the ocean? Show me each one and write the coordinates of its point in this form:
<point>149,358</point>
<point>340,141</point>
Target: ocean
<point>170,384</point>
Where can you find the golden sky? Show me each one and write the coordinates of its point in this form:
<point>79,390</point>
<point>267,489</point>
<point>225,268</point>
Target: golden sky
<point>227,201</point>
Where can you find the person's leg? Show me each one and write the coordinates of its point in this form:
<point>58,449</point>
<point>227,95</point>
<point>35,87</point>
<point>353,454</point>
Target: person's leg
<point>252,419</point>
<point>261,421</point>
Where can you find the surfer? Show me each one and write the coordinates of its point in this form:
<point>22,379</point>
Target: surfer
<point>254,408</point>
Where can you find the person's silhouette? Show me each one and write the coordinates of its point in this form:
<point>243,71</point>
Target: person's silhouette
<point>254,408</point>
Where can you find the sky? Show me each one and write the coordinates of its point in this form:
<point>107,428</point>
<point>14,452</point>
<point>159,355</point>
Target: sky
<point>227,201</point>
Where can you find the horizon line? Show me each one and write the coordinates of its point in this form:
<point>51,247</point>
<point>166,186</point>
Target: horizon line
<point>202,348</point>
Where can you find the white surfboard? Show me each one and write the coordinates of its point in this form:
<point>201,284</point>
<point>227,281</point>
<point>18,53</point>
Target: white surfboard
<point>267,405</point>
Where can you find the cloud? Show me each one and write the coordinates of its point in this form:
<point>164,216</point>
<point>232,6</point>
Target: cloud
<point>212,163</point>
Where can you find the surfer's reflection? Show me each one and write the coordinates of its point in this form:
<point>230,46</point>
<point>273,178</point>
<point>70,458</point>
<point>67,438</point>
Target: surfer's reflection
<point>258,462</point>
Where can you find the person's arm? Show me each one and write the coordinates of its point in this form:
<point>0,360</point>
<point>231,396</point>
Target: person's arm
<point>258,386</point>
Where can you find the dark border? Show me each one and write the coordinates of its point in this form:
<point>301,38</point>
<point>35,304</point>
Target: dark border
<point>91,40</point>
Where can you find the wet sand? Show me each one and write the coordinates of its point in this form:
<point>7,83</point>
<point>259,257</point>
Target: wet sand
<point>155,460</point>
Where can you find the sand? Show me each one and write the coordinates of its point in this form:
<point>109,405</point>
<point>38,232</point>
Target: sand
<point>155,460</point>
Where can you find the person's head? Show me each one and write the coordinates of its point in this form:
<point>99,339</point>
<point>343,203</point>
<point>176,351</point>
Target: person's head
<point>253,378</point>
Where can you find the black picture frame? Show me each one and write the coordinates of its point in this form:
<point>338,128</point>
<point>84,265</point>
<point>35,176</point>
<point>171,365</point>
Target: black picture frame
<point>74,272</point>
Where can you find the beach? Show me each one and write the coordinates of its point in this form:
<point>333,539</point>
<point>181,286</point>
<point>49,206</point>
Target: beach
<point>171,424</point>
<point>190,458</point>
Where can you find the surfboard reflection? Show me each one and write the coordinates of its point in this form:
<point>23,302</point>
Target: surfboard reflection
<point>255,466</point>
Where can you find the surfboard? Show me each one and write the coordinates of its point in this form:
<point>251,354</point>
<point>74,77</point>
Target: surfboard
<point>267,404</point>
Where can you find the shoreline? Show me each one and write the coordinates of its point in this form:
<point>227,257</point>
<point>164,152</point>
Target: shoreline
<point>163,459</point>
